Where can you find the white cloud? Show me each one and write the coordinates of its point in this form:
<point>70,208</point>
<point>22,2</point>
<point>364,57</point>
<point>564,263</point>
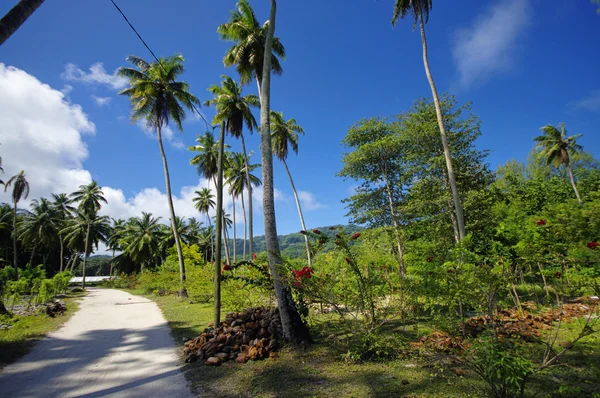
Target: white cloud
<point>591,102</point>
<point>66,90</point>
<point>309,201</point>
<point>488,46</point>
<point>101,101</point>
<point>96,75</point>
<point>168,134</point>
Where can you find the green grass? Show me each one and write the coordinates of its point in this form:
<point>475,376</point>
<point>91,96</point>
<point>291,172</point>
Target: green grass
<point>27,330</point>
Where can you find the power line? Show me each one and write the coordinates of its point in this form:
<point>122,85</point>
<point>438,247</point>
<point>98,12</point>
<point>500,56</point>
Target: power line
<point>157,59</point>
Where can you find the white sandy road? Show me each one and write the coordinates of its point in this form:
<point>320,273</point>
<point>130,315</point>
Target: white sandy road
<point>116,345</point>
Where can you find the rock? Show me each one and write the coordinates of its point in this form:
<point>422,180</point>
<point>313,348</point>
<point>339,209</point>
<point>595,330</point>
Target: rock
<point>213,361</point>
<point>242,358</point>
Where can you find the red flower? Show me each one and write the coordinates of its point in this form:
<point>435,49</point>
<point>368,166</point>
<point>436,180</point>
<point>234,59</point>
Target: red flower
<point>384,267</point>
<point>429,259</point>
<point>356,235</point>
<point>305,272</point>
<point>430,273</point>
<point>254,256</point>
<point>227,267</point>
<point>557,275</point>
<point>321,241</point>
<point>303,232</point>
<point>348,260</point>
<point>316,231</point>
<point>541,222</point>
<point>593,245</point>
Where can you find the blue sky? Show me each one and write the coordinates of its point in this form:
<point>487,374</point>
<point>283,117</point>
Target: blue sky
<point>523,63</point>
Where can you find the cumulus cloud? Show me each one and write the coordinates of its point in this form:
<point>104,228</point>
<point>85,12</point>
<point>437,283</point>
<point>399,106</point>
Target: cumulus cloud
<point>309,201</point>
<point>488,46</point>
<point>167,133</point>
<point>101,101</point>
<point>590,103</point>
<point>96,75</point>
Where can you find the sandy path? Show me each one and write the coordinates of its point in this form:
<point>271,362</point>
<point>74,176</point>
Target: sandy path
<point>116,345</point>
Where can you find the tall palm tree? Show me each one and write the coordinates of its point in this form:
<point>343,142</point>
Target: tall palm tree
<point>207,157</point>
<point>158,98</point>
<point>237,179</point>
<point>284,133</point>
<point>20,190</point>
<point>142,240</point>
<point>84,232</point>
<point>193,231</point>
<point>203,202</point>
<point>114,240</point>
<point>293,327</point>
<point>248,51</point>
<point>16,17</point>
<point>557,148</point>
<point>63,210</point>
<point>419,9</point>
<point>234,110</point>
<point>38,228</point>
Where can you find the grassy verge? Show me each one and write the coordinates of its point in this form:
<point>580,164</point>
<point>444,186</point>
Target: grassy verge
<point>27,330</point>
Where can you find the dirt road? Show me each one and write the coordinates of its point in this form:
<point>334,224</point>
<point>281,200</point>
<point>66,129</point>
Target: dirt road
<point>116,345</point>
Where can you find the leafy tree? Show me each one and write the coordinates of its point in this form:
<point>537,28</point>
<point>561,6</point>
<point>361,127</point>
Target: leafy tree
<point>158,98</point>
<point>38,228</point>
<point>284,133</point>
<point>17,15</point>
<point>114,240</point>
<point>63,211</point>
<point>558,149</point>
<point>142,240</point>
<point>419,9</point>
<point>20,190</point>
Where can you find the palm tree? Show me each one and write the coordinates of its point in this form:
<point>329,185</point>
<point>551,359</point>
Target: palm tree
<point>38,228</point>
<point>208,156</point>
<point>16,17</point>
<point>142,240</point>
<point>293,327</point>
<point>283,134</point>
<point>420,12</point>
<point>203,202</point>
<point>193,230</point>
<point>557,148</point>
<point>237,180</point>
<point>20,190</point>
<point>248,52</point>
<point>63,210</point>
<point>233,109</point>
<point>84,232</point>
<point>158,97</point>
<point>114,240</point>
<point>90,198</point>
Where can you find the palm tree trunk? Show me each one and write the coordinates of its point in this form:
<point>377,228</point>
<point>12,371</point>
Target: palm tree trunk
<point>401,268</point>
<point>32,255</point>
<point>244,211</point>
<point>182,290</point>
<point>438,111</point>
<point>3,310</point>
<point>299,213</point>
<point>212,240</point>
<point>572,177</point>
<point>85,255</point>
<point>16,17</point>
<point>293,328</point>
<point>225,239</point>
<point>249,182</point>
<point>112,261</point>
<point>62,246</point>
<point>219,226</point>
<point>234,230</point>
<point>15,256</point>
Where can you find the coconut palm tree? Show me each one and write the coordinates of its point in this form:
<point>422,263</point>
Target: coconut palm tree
<point>84,232</point>
<point>114,240</point>
<point>419,10</point>
<point>89,198</point>
<point>20,190</point>
<point>63,210</point>
<point>142,240</point>
<point>203,202</point>
<point>557,148</point>
<point>248,51</point>
<point>158,97</point>
<point>234,110</point>
<point>193,230</point>
<point>293,327</point>
<point>16,17</point>
<point>237,179</point>
<point>284,133</point>
<point>38,227</point>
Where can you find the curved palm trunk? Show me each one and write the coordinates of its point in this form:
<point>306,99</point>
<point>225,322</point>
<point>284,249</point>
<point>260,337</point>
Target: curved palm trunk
<point>15,256</point>
<point>62,247</point>
<point>226,240</point>
<point>244,211</point>
<point>16,17</point>
<point>249,182</point>
<point>438,111</point>
<point>299,213</point>
<point>219,226</point>
<point>293,327</point>
<point>112,262</point>
<point>182,290</point>
<point>401,268</point>
<point>32,255</point>
<point>85,254</point>
<point>572,177</point>
<point>234,230</point>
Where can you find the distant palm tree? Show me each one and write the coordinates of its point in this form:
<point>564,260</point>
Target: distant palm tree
<point>20,190</point>
<point>284,133</point>
<point>142,240</point>
<point>16,17</point>
<point>419,9</point>
<point>557,148</point>
<point>234,110</point>
<point>114,240</point>
<point>84,232</point>
<point>193,230</point>
<point>158,98</point>
<point>38,227</point>
<point>89,198</point>
<point>207,158</point>
<point>63,210</point>
<point>203,202</point>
